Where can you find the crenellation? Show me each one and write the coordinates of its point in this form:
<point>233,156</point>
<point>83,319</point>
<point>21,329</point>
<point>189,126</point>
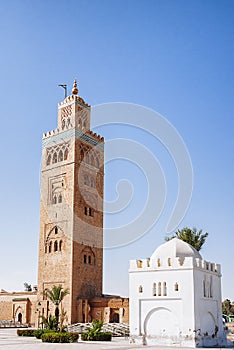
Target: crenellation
<point>95,135</point>
<point>173,263</point>
<point>72,98</point>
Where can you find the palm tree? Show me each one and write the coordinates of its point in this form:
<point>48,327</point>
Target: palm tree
<point>50,322</point>
<point>192,236</point>
<point>56,296</point>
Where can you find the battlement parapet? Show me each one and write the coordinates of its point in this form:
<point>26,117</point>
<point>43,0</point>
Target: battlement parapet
<point>73,98</point>
<point>55,132</point>
<point>173,263</point>
<point>95,135</point>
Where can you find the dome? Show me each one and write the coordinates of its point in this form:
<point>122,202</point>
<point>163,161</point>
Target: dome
<point>175,248</point>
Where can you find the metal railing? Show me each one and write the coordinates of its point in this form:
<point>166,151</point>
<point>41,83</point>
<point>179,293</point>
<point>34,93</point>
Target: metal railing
<point>117,329</point>
<point>11,324</point>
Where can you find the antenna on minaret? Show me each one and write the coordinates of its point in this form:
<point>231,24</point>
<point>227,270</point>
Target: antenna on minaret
<point>64,86</point>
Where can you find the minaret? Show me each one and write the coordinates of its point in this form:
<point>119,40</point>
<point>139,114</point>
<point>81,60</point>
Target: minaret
<point>71,210</point>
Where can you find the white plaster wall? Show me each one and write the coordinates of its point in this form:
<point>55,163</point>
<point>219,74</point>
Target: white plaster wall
<point>208,316</point>
<point>171,316</point>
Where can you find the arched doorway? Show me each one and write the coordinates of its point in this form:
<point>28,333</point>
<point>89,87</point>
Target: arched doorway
<point>161,323</point>
<point>19,318</point>
<point>114,315</point>
<point>115,318</point>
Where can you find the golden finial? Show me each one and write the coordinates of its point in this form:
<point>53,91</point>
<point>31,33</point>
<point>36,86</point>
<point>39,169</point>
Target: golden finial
<point>75,90</point>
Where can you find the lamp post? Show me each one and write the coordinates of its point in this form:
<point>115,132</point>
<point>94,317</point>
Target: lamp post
<point>39,314</point>
<point>64,86</point>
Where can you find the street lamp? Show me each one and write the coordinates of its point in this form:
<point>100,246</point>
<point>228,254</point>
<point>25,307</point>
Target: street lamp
<point>39,314</point>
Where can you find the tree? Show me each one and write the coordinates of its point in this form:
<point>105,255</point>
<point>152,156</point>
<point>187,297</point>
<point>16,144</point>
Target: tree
<point>27,287</point>
<point>227,307</point>
<point>192,236</point>
<point>56,296</point>
<point>50,322</point>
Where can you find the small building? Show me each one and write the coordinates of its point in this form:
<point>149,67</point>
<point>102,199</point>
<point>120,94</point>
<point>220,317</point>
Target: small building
<point>106,308</point>
<point>18,308</point>
<point>175,298</point>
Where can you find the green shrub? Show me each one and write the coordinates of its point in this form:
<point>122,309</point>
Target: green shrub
<point>57,337</point>
<point>104,336</point>
<point>25,332</point>
<point>73,336</point>
<point>38,332</point>
<point>84,336</point>
<point>100,336</point>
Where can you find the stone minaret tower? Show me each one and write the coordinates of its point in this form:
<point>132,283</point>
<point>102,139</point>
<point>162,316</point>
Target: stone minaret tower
<point>71,212</point>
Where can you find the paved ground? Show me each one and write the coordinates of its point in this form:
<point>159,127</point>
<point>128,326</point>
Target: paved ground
<point>9,340</point>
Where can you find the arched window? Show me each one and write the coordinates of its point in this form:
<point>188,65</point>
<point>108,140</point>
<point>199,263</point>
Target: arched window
<point>86,179</point>
<point>60,198</point>
<point>55,246</point>
<point>92,182</point>
<point>54,158</point>
<point>84,125</point>
<point>54,199</point>
<point>45,248</point>
<point>48,159</point>
<point>68,121</point>
<point>89,259</point>
<point>66,154</point>
<point>176,287</point>
<point>80,123</point>
<point>140,289</point>
<point>63,123</point>
<point>60,245</point>
<point>92,160</point>
<point>97,162</point>
<point>50,247</point>
<point>164,289</point>
<point>56,230</point>
<point>81,155</point>
<point>85,259</point>
<point>159,289</point>
<point>60,156</point>
<point>85,210</point>
<point>169,261</point>
<point>159,263</point>
<point>90,212</point>
<point>154,289</point>
<point>211,287</point>
<point>87,158</point>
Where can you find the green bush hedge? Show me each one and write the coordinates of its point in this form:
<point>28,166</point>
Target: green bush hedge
<point>101,336</point>
<point>25,332</point>
<point>56,337</point>
<point>38,332</point>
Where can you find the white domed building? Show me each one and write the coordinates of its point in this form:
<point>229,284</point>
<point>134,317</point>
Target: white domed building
<point>175,298</point>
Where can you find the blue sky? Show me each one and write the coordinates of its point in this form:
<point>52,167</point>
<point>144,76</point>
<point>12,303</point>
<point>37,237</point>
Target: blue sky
<point>175,57</point>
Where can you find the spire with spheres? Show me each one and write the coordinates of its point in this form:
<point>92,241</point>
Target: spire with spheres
<point>75,90</point>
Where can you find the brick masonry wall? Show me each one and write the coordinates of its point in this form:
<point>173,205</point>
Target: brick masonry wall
<point>81,232</point>
<point>5,310</point>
